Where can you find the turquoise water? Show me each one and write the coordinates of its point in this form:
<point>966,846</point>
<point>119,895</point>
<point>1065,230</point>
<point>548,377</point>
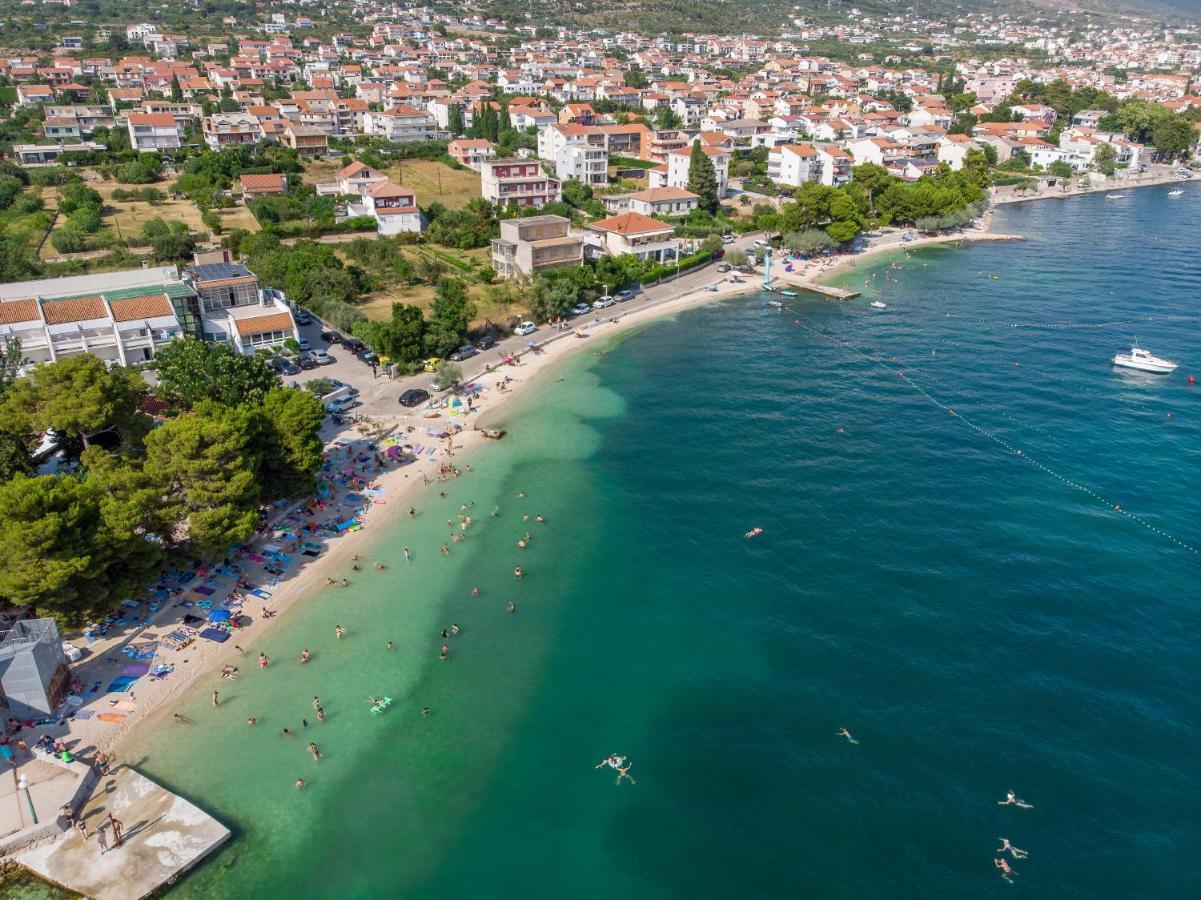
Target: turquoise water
<point>976,618</point>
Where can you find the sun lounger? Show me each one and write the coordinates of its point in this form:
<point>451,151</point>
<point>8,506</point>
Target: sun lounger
<point>261,594</point>
<point>215,634</point>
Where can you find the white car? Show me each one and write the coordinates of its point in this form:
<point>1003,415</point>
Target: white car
<point>320,357</point>
<point>525,328</point>
<point>604,303</point>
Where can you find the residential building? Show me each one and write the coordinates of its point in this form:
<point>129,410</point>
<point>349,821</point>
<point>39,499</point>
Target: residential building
<point>226,129</point>
<point>45,154</point>
<point>656,145</point>
<point>517,182</point>
<point>793,164</point>
<point>401,124</point>
<point>306,140</point>
<point>234,309</point>
<point>86,118</point>
<point>675,173</point>
<point>663,201</point>
<point>583,162</point>
<point>57,128</point>
<point>471,152</point>
<point>358,178</point>
<point>534,243</point>
<point>636,234</point>
<point>393,207</point>
<point>263,185</point>
<point>153,131</point>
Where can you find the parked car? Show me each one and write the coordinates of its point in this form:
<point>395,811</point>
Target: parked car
<point>623,296</point>
<point>525,328</point>
<point>341,405</point>
<point>727,238</point>
<point>321,357</point>
<point>336,385</point>
<point>368,356</point>
<point>581,309</point>
<point>604,303</point>
<point>354,345</point>
<point>724,267</point>
<point>306,361</point>
<point>439,385</point>
<point>302,318</point>
<point>430,364</point>
<point>285,366</point>
<point>465,352</point>
<point>414,397</point>
<point>331,337</point>
<point>305,345</point>
<point>487,342</point>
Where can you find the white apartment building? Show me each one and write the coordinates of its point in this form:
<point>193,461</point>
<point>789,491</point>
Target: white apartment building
<point>401,124</point>
<point>793,164</point>
<point>153,131</point>
<point>636,234</point>
<point>676,172</point>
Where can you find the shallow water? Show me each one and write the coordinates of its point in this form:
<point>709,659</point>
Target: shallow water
<point>977,622</point>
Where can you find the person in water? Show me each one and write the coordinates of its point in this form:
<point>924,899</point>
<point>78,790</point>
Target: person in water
<point>1012,800</point>
<point>511,606</point>
<point>846,734</point>
<point>1006,872</point>
<point>1012,850</point>
<point>475,592</point>
<point>304,656</point>
<point>517,572</point>
<point>314,752</point>
<point>339,631</point>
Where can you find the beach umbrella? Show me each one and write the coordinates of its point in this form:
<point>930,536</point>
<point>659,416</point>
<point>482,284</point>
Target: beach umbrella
<point>219,615</point>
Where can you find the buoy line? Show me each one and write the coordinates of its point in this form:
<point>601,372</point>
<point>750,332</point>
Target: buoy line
<point>995,438</point>
<point>1051,325</point>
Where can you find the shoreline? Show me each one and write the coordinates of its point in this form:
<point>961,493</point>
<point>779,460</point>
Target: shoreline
<point>1003,196</point>
<point>400,487</point>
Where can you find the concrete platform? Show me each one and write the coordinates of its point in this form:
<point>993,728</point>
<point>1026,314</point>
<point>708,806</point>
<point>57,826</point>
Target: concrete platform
<point>165,836</point>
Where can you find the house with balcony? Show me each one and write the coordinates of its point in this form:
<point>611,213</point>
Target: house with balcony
<point>46,154</point>
<point>153,131</point>
<point>234,309</point>
<point>227,129</point>
<point>87,118</point>
<point>471,152</point>
<point>793,164</point>
<point>670,202</point>
<point>535,243</point>
<point>120,317</point>
<point>401,124</point>
<point>675,172</point>
<point>306,140</point>
<point>657,145</point>
<point>393,207</point>
<point>517,182</point>
<point>636,234</point>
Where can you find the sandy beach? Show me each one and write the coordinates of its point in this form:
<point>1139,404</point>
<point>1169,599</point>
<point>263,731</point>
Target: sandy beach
<point>398,488</point>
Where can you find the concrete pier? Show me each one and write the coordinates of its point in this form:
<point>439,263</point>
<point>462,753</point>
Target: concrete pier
<point>837,293</point>
<point>163,837</point>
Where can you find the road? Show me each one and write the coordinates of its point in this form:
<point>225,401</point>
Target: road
<point>379,395</point>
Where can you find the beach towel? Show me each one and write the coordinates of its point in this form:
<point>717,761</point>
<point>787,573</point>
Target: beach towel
<point>206,591</point>
<point>261,594</point>
<point>215,634</point>
<point>84,714</point>
<point>120,685</point>
<point>112,718</point>
<point>135,671</point>
<point>257,558</point>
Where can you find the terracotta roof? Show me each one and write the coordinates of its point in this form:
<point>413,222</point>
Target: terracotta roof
<point>261,324</point>
<point>631,223</point>
<point>130,308</point>
<point>13,311</point>
<point>226,282</point>
<point>62,312</point>
<point>157,120</point>
<point>257,183</point>
<point>388,189</point>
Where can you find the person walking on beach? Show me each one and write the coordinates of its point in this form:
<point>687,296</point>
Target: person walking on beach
<point>241,652</point>
<point>116,826</point>
<point>82,827</point>
<point>1012,850</point>
<point>215,701</point>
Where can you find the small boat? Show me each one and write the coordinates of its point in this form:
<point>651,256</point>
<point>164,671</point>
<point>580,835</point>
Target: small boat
<point>1115,196</point>
<point>788,293</point>
<point>1137,358</point>
<point>879,304</point>
<point>1175,193</point>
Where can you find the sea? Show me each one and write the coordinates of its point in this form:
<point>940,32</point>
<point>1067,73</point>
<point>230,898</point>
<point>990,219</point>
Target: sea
<point>979,556</point>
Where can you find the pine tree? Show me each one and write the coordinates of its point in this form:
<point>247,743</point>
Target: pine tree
<point>702,178</point>
<point>504,123</point>
<point>455,121</point>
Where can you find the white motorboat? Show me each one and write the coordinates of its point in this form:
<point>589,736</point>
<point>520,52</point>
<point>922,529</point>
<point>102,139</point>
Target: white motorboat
<point>1138,358</point>
<point>1175,193</point>
<point>1115,196</point>
<point>879,304</point>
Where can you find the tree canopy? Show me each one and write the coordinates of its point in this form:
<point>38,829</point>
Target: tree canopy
<point>190,371</point>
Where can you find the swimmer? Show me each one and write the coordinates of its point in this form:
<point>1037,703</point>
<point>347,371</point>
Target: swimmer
<point>1012,800</point>
<point>444,634</point>
<point>425,711</point>
<point>454,629</point>
<point>846,734</point>
<point>380,566</point>
<point>495,511</point>
<point>339,631</point>
<point>344,583</point>
<point>624,772</point>
<point>1008,847</point>
<point>475,592</point>
<point>521,493</point>
<point>356,557</point>
<point>511,606</point>
<point>444,653</point>
<point>330,581</point>
<point>613,761</point>
<point>182,720</point>
<point>287,732</point>
<point>1006,872</point>
<point>517,573</point>
<point>408,557</point>
<point>412,513</point>
<point>251,721</point>
<point>304,656</point>
<point>754,532</point>
<point>215,701</point>
<point>390,647</point>
<point>538,518</point>
<point>264,660</point>
<point>320,714</point>
<point>525,517</point>
<point>299,784</point>
<point>316,703</point>
<point>314,752</point>
<point>521,544</point>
